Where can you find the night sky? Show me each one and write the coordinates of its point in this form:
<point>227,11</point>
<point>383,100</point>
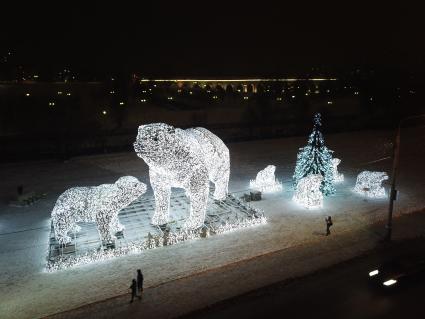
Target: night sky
<point>215,38</point>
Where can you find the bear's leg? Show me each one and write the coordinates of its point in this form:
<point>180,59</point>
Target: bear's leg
<point>221,184</point>
<point>62,224</point>
<point>104,221</point>
<point>116,225</point>
<point>198,195</point>
<point>162,192</point>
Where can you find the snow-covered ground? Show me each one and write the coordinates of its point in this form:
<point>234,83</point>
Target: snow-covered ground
<point>27,291</point>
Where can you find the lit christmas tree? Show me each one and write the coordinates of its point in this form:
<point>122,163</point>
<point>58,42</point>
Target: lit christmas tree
<point>316,158</point>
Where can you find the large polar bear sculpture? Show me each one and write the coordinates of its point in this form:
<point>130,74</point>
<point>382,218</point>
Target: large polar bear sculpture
<point>100,204</point>
<point>187,159</point>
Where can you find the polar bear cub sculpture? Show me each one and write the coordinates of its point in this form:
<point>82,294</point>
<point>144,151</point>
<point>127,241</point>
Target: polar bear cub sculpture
<point>370,184</point>
<point>187,159</point>
<point>99,204</point>
<point>308,191</point>
<point>266,181</point>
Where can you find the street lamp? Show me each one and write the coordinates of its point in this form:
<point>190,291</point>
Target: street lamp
<point>393,191</point>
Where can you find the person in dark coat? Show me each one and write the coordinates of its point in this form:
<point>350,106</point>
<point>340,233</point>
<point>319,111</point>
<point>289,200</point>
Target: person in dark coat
<point>329,223</point>
<point>139,281</point>
<point>133,288</point>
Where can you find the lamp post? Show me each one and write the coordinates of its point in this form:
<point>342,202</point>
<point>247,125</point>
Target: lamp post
<point>393,191</point>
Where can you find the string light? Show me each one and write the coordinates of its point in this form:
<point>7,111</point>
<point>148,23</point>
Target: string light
<point>188,159</point>
<point>99,204</point>
<point>369,184</point>
<point>265,181</point>
<point>308,191</point>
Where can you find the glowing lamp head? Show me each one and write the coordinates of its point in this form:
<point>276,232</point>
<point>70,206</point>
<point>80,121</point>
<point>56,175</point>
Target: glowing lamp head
<point>373,273</point>
<point>389,282</point>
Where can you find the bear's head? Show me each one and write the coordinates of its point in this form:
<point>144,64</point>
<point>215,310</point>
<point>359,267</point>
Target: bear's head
<point>130,188</point>
<point>155,143</point>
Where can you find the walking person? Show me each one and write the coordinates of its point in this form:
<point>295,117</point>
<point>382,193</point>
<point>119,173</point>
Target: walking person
<point>139,281</point>
<point>329,223</point>
<point>133,288</point>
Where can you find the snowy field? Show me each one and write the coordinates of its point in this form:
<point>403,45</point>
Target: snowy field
<point>27,291</point>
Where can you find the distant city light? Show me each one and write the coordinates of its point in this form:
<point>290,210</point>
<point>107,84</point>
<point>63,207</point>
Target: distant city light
<point>371,99</point>
<point>190,92</point>
<point>239,80</point>
<point>104,112</point>
<point>306,94</point>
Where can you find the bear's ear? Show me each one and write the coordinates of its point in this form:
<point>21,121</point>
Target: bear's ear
<point>170,129</point>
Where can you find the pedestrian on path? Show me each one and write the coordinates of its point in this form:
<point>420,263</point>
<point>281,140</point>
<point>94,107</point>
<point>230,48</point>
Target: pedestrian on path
<point>329,223</point>
<point>139,281</point>
<point>133,288</point>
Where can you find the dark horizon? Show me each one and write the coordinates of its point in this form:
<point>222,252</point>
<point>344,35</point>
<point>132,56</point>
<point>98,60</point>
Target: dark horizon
<point>215,39</point>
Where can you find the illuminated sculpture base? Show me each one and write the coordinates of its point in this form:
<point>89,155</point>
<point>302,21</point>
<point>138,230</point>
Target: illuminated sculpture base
<point>140,234</point>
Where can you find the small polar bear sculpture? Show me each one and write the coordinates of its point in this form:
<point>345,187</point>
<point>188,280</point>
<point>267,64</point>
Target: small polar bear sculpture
<point>338,177</point>
<point>308,191</point>
<point>99,204</point>
<point>266,181</point>
<point>187,159</point>
<point>370,184</point>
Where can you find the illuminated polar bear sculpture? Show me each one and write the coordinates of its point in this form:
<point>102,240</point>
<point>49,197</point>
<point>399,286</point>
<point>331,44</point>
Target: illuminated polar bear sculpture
<point>338,177</point>
<point>266,181</point>
<point>187,159</point>
<point>308,191</point>
<point>370,184</point>
<point>99,204</point>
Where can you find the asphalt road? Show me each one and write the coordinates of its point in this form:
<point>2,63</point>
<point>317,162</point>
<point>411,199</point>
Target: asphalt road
<point>342,291</point>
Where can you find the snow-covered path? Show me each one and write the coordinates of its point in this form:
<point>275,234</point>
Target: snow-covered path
<point>28,292</point>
